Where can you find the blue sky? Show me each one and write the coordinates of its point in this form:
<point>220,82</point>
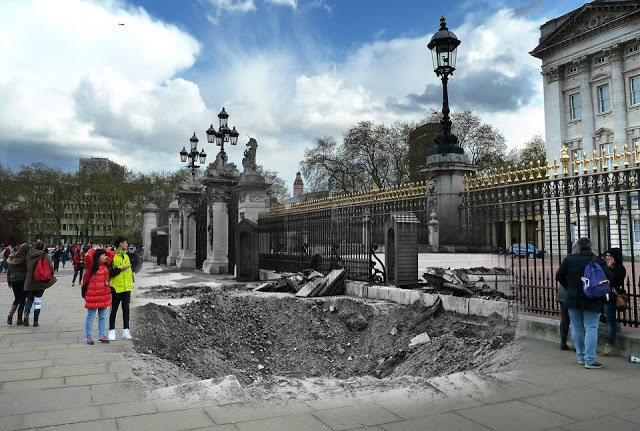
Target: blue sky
<point>74,83</point>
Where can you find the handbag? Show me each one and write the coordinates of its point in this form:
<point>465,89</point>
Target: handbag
<point>622,302</point>
<point>561,294</point>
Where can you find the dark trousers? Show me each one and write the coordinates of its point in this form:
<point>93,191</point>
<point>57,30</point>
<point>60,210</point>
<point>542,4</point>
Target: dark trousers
<point>18,294</point>
<point>564,324</point>
<point>56,264</point>
<point>116,299</point>
<point>79,270</point>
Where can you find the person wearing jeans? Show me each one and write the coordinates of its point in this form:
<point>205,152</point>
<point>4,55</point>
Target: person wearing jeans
<point>584,330</point>
<point>97,295</point>
<point>613,257</point>
<point>584,312</point>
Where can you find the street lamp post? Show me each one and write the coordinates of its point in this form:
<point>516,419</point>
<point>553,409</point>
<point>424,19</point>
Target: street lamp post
<point>443,46</point>
<point>193,155</point>
<point>223,134</point>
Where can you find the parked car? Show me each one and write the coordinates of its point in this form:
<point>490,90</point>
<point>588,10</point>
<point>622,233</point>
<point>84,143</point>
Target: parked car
<point>50,250</point>
<point>522,250</point>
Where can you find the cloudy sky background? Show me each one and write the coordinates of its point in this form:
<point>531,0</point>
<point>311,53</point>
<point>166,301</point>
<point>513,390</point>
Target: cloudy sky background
<point>74,83</point>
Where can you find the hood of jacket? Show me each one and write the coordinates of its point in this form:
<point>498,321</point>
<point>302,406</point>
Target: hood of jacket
<point>19,256</point>
<point>616,252</point>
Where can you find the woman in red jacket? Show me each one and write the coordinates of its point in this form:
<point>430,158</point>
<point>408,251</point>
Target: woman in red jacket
<point>97,295</point>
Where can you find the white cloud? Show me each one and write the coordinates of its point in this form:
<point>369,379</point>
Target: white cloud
<point>88,86</point>
<point>73,78</point>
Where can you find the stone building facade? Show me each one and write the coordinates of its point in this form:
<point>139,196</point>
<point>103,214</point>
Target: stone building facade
<point>591,68</point>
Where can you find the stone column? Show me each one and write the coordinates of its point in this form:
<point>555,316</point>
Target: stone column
<point>523,231</point>
<point>445,174</point>
<point>507,233</point>
<point>174,233</point>
<point>555,122</point>
<point>187,255</point>
<point>217,261</point>
<point>149,222</point>
<point>588,108</point>
<point>540,232</point>
<point>618,98</point>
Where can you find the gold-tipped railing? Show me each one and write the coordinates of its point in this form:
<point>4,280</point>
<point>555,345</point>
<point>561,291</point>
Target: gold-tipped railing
<point>408,191</point>
<point>546,170</point>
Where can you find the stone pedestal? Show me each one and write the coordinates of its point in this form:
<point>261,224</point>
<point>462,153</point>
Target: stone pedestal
<point>174,233</point>
<point>149,223</point>
<point>251,194</point>
<point>445,174</point>
<point>434,233</point>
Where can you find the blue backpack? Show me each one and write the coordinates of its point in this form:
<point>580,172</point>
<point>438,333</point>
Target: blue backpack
<point>594,282</point>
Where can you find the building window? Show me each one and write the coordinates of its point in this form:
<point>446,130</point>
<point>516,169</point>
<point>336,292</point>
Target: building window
<point>608,149</point>
<point>633,48</point>
<point>579,155</point>
<point>602,59</point>
<point>636,231</point>
<point>572,69</point>
<point>575,103</point>
<point>604,100</point>
<point>635,90</point>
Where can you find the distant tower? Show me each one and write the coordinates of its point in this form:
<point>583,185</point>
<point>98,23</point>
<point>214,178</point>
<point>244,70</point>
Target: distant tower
<point>298,186</point>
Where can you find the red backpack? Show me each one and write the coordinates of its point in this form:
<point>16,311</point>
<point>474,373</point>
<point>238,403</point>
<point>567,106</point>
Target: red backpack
<point>42,271</point>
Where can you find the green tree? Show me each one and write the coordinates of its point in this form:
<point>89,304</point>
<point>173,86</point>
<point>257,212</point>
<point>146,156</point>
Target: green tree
<point>534,150</point>
<point>277,191</point>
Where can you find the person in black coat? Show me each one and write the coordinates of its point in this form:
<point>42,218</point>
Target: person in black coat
<point>613,257</point>
<point>583,311</point>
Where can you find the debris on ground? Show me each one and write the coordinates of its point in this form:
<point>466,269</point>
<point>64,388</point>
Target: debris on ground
<point>258,338</point>
<point>308,283</point>
<point>462,282</point>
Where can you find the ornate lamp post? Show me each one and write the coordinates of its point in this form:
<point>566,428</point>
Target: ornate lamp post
<point>224,133</point>
<point>193,155</point>
<point>443,46</point>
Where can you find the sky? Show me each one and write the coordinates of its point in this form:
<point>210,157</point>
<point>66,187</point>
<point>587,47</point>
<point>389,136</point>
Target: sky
<point>133,80</point>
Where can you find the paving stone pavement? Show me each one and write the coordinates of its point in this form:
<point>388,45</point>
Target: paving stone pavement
<point>51,380</point>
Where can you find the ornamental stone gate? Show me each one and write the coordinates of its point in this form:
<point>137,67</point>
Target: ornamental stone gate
<point>203,218</point>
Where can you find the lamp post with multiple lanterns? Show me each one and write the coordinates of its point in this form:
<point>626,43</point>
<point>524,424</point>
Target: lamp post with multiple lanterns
<point>443,46</point>
<point>224,134</point>
<point>191,157</point>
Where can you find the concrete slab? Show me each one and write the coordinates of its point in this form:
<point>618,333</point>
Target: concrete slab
<point>304,421</point>
<point>346,418</point>
<point>44,400</point>
<point>167,421</point>
<point>444,421</point>
<point>503,416</point>
<point>61,417</point>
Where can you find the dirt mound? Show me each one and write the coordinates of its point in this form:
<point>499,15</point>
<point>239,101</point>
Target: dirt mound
<point>259,336</point>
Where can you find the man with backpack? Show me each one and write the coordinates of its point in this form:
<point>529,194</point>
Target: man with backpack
<point>582,298</point>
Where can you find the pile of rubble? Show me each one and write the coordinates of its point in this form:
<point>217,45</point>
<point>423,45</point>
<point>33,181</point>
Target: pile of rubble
<point>459,282</point>
<point>308,283</point>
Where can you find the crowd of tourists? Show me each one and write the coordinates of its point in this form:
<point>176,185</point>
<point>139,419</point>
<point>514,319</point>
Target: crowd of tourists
<point>105,274</point>
<point>591,286</point>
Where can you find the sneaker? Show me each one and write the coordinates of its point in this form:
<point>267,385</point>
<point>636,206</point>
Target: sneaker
<point>580,362</point>
<point>73,284</point>
<point>593,365</point>
<point>126,334</point>
<point>90,340</point>
<point>112,334</point>
<point>103,339</point>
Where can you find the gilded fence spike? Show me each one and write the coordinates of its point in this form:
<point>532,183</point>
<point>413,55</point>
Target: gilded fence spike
<point>616,157</point>
<point>547,169</point>
<point>564,159</point>
<point>595,161</point>
<point>636,154</point>
<point>626,154</point>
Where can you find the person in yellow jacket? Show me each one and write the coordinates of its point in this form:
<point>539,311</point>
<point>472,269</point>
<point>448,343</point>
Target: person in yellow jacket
<point>121,281</point>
